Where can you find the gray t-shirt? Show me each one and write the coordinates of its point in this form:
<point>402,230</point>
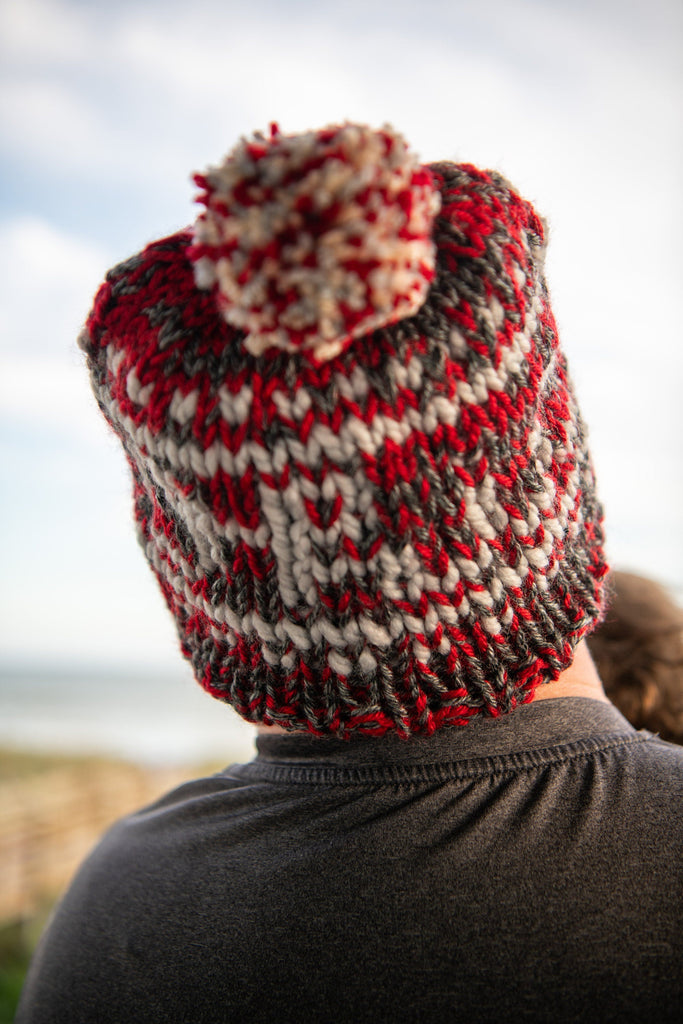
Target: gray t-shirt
<point>526,868</point>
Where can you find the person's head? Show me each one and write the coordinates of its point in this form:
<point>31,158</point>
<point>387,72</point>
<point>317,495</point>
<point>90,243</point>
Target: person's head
<point>638,650</point>
<point>360,472</point>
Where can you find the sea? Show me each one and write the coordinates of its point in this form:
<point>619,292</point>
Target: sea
<point>150,718</point>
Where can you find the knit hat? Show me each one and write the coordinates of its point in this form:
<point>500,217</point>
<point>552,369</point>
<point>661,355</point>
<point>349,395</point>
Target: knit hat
<point>360,474</point>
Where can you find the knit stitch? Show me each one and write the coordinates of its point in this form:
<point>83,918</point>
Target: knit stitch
<point>397,537</point>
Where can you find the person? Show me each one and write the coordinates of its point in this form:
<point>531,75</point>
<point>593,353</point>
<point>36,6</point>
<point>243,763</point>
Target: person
<point>362,481</point>
<point>638,651</point>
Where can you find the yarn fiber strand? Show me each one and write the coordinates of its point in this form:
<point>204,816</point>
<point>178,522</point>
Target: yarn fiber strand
<point>400,536</point>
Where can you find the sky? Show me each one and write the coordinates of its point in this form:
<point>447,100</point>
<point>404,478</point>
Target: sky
<point>106,110</point>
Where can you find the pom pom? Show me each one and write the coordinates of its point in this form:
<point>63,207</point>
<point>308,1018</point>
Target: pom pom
<point>318,238</point>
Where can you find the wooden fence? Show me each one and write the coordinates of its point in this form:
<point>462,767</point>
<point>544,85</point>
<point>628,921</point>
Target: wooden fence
<point>50,821</point>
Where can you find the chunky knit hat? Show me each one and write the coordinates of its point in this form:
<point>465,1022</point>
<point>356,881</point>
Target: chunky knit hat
<point>360,474</point>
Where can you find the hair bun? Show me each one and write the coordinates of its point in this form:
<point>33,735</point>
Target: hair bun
<point>318,238</point>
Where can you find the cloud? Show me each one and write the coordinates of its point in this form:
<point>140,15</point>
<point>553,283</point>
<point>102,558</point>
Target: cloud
<point>47,281</point>
<point>135,92</point>
<point>139,95</point>
<point>51,397</point>
<point>43,31</point>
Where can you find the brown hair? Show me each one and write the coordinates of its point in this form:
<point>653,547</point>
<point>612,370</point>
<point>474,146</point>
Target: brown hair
<point>638,651</point>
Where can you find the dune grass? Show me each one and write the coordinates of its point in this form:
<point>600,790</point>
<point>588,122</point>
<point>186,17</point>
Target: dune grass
<point>18,938</point>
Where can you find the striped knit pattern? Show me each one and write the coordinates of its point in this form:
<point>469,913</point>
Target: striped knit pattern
<point>402,537</point>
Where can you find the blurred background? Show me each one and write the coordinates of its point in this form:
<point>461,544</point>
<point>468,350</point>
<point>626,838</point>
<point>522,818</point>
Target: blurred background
<point>106,109</point>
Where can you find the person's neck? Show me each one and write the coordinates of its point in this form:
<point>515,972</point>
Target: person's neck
<point>581,679</point>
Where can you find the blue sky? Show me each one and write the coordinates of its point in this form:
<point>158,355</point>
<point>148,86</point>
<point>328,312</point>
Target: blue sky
<point>106,109</point>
